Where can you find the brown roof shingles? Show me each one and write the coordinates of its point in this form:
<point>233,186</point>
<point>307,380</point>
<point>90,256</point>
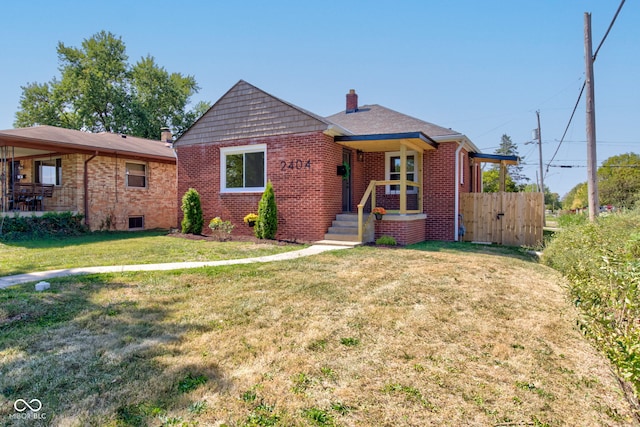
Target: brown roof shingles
<point>104,143</point>
<point>376,119</point>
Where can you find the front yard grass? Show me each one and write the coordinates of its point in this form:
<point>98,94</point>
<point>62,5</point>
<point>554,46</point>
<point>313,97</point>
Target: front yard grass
<point>359,337</point>
<point>124,248</point>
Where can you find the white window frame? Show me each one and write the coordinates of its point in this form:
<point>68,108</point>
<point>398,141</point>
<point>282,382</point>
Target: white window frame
<point>387,171</point>
<point>146,174</point>
<point>243,149</point>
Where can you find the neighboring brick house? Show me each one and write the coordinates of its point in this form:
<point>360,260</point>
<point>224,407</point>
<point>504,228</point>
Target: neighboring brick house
<point>116,181</point>
<point>321,167</point>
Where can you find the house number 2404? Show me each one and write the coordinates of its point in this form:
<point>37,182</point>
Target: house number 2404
<point>295,165</point>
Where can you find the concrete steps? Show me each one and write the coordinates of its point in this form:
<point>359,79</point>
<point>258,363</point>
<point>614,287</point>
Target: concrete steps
<point>345,228</point>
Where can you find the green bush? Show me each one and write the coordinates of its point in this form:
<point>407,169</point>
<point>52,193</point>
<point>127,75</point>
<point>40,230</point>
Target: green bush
<point>386,240</point>
<point>50,224</point>
<point>601,262</point>
<point>193,220</point>
<point>569,219</point>
<point>221,229</point>
<point>267,223</point>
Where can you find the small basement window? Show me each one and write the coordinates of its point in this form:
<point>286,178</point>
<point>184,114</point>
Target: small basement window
<point>136,223</point>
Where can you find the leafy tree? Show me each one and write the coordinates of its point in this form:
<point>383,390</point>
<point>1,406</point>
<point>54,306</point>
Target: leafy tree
<point>100,91</point>
<point>619,181</point>
<point>491,181</point>
<point>193,219</point>
<point>267,224</point>
<point>576,198</point>
<point>551,200</point>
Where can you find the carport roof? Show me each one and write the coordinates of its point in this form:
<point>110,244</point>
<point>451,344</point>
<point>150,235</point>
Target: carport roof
<point>42,140</point>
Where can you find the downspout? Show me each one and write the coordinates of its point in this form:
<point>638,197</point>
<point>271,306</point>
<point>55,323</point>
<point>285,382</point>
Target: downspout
<point>457,191</point>
<point>86,189</point>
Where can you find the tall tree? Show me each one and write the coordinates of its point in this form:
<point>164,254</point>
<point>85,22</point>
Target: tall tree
<point>515,180</point>
<point>619,181</point>
<point>508,148</point>
<point>99,90</point>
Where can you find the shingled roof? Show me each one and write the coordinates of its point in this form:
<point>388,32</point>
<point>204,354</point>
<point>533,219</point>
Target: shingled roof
<point>376,119</point>
<point>60,140</point>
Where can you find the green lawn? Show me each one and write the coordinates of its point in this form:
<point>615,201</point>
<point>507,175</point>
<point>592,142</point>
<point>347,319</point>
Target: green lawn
<point>124,248</point>
<point>436,334</point>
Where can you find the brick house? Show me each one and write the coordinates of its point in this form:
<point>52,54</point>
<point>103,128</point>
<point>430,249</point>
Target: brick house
<point>322,168</point>
<point>116,181</point>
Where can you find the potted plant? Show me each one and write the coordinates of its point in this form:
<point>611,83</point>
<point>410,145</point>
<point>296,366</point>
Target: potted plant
<point>250,219</point>
<point>379,212</point>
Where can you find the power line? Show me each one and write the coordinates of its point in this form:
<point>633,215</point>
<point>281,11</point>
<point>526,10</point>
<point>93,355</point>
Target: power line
<point>608,29</point>
<point>575,107</point>
<point>584,84</point>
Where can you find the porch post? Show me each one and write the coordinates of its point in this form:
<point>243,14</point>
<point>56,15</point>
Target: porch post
<point>403,179</point>
<point>503,173</point>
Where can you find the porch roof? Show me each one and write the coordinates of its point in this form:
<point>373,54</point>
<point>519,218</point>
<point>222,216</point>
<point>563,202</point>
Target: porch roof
<point>495,158</point>
<point>46,140</point>
<point>387,141</point>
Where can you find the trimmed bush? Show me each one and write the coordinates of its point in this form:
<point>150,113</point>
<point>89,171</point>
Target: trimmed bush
<point>50,224</point>
<point>386,240</point>
<point>267,224</point>
<point>193,220</point>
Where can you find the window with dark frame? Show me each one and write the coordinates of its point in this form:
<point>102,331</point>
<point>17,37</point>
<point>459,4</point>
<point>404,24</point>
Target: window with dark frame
<point>48,171</point>
<point>136,222</point>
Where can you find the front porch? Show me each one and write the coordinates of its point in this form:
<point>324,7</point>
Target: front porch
<point>400,193</point>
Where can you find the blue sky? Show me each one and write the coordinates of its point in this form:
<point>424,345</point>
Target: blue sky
<point>482,68</point>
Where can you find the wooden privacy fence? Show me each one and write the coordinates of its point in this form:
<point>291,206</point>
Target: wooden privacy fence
<point>514,219</point>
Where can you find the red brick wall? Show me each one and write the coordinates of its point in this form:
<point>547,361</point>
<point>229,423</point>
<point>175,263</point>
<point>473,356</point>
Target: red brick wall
<point>308,198</point>
<point>439,191</point>
<point>405,232</point>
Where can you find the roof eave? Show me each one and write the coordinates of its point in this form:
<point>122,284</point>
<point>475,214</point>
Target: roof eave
<point>387,141</point>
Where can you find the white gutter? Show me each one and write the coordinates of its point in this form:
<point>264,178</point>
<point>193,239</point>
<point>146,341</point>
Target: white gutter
<point>457,138</point>
<point>462,141</point>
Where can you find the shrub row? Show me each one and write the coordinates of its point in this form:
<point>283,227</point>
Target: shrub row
<point>50,224</point>
<point>602,263</point>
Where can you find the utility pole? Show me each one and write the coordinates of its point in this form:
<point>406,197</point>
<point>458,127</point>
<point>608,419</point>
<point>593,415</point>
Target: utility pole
<point>544,208</point>
<point>592,182</point>
<point>539,134</point>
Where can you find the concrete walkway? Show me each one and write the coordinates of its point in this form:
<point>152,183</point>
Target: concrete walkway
<point>45,275</point>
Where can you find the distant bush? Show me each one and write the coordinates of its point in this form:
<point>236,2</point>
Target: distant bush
<point>193,220</point>
<point>602,263</point>
<point>50,224</point>
<point>386,240</point>
<point>568,219</point>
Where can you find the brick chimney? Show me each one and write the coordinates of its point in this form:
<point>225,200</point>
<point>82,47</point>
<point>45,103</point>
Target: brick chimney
<point>166,136</point>
<point>352,101</point>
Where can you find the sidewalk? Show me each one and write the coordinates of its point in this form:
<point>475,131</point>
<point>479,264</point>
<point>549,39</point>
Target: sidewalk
<point>45,275</point>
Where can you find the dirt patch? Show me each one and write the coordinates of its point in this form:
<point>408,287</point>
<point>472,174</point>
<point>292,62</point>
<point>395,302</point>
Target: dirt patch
<point>234,238</point>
